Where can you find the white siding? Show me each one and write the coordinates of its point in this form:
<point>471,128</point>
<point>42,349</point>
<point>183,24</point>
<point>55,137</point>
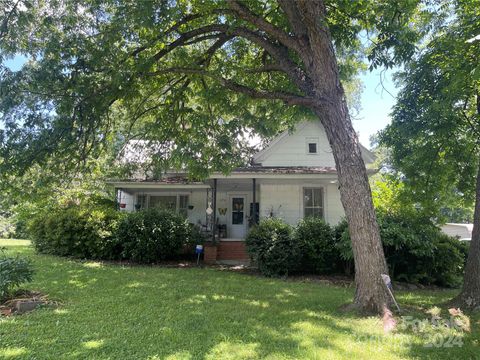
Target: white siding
<point>334,208</point>
<point>127,199</point>
<point>291,150</point>
<point>285,200</point>
<point>197,198</point>
<point>462,231</point>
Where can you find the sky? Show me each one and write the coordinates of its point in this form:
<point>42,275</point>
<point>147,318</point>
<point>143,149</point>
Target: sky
<point>376,101</point>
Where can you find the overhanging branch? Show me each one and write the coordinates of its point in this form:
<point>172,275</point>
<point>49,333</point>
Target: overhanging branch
<point>288,98</point>
<point>278,34</point>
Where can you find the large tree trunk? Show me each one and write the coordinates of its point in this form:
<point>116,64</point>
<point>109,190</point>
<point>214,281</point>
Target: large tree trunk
<point>371,294</point>
<point>470,295</point>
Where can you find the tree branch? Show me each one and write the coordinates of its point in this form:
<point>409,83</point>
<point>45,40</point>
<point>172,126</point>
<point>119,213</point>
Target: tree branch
<point>288,98</point>
<point>266,68</point>
<point>278,34</point>
<point>294,17</point>
<point>279,53</point>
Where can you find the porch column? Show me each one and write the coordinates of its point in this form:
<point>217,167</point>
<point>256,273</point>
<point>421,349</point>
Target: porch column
<point>254,195</point>
<point>214,225</point>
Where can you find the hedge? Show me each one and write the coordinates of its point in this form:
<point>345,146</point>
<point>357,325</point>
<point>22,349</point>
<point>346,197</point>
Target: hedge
<point>415,249</point>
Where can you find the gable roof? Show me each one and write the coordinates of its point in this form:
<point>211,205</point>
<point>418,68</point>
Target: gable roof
<point>368,156</point>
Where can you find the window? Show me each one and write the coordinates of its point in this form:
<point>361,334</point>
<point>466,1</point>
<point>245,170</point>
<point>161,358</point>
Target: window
<point>237,211</point>
<point>313,202</point>
<point>311,145</point>
<point>183,205</point>
<point>164,202</point>
<point>141,202</point>
<point>177,203</point>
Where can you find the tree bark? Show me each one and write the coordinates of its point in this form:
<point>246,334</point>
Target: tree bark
<point>371,294</point>
<point>470,295</point>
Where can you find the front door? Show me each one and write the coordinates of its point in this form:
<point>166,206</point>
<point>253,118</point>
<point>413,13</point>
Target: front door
<point>238,221</point>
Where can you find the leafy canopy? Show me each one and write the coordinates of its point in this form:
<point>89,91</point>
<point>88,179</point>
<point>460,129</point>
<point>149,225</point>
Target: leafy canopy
<point>196,77</point>
<point>435,130</point>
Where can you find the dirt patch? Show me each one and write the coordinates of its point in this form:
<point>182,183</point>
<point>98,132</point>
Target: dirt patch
<point>24,301</point>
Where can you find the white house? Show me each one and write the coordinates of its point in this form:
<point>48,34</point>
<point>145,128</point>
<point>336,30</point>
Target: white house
<point>462,231</point>
<point>293,177</point>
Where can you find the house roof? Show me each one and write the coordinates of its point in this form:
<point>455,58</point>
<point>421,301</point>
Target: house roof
<point>369,156</point>
<point>181,180</point>
<point>168,180</point>
<point>286,170</point>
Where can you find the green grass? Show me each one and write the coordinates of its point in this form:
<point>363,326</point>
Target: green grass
<point>115,312</point>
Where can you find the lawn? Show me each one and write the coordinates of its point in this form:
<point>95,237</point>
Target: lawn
<point>115,312</point>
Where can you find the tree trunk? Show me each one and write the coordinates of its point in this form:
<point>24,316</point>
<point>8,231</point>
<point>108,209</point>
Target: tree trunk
<point>470,295</point>
<point>371,294</point>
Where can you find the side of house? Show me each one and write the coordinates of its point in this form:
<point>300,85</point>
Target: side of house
<point>461,231</point>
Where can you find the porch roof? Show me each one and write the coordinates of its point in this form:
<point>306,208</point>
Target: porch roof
<point>176,180</point>
<point>286,170</point>
<point>170,182</point>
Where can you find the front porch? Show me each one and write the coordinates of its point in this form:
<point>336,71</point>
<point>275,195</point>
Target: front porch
<point>222,208</point>
<point>225,207</point>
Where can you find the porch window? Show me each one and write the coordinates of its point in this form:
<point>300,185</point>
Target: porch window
<point>164,202</point>
<point>177,203</point>
<point>313,202</point>
<point>141,202</point>
<point>183,205</point>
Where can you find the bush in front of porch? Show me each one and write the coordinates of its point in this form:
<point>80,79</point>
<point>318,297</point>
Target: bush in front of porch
<point>101,232</point>
<point>273,248</point>
<point>280,249</point>
<point>151,235</point>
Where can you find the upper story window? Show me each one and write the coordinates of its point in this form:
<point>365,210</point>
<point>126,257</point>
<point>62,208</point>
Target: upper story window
<point>312,145</point>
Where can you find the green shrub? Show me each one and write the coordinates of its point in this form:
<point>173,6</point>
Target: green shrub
<point>449,261</point>
<point>14,271</point>
<point>415,249</point>
<point>77,231</point>
<point>151,235</point>
<point>315,239</point>
<point>272,247</point>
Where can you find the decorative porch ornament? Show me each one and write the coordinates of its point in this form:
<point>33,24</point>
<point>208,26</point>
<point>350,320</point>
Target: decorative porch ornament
<point>222,211</point>
<point>209,210</point>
